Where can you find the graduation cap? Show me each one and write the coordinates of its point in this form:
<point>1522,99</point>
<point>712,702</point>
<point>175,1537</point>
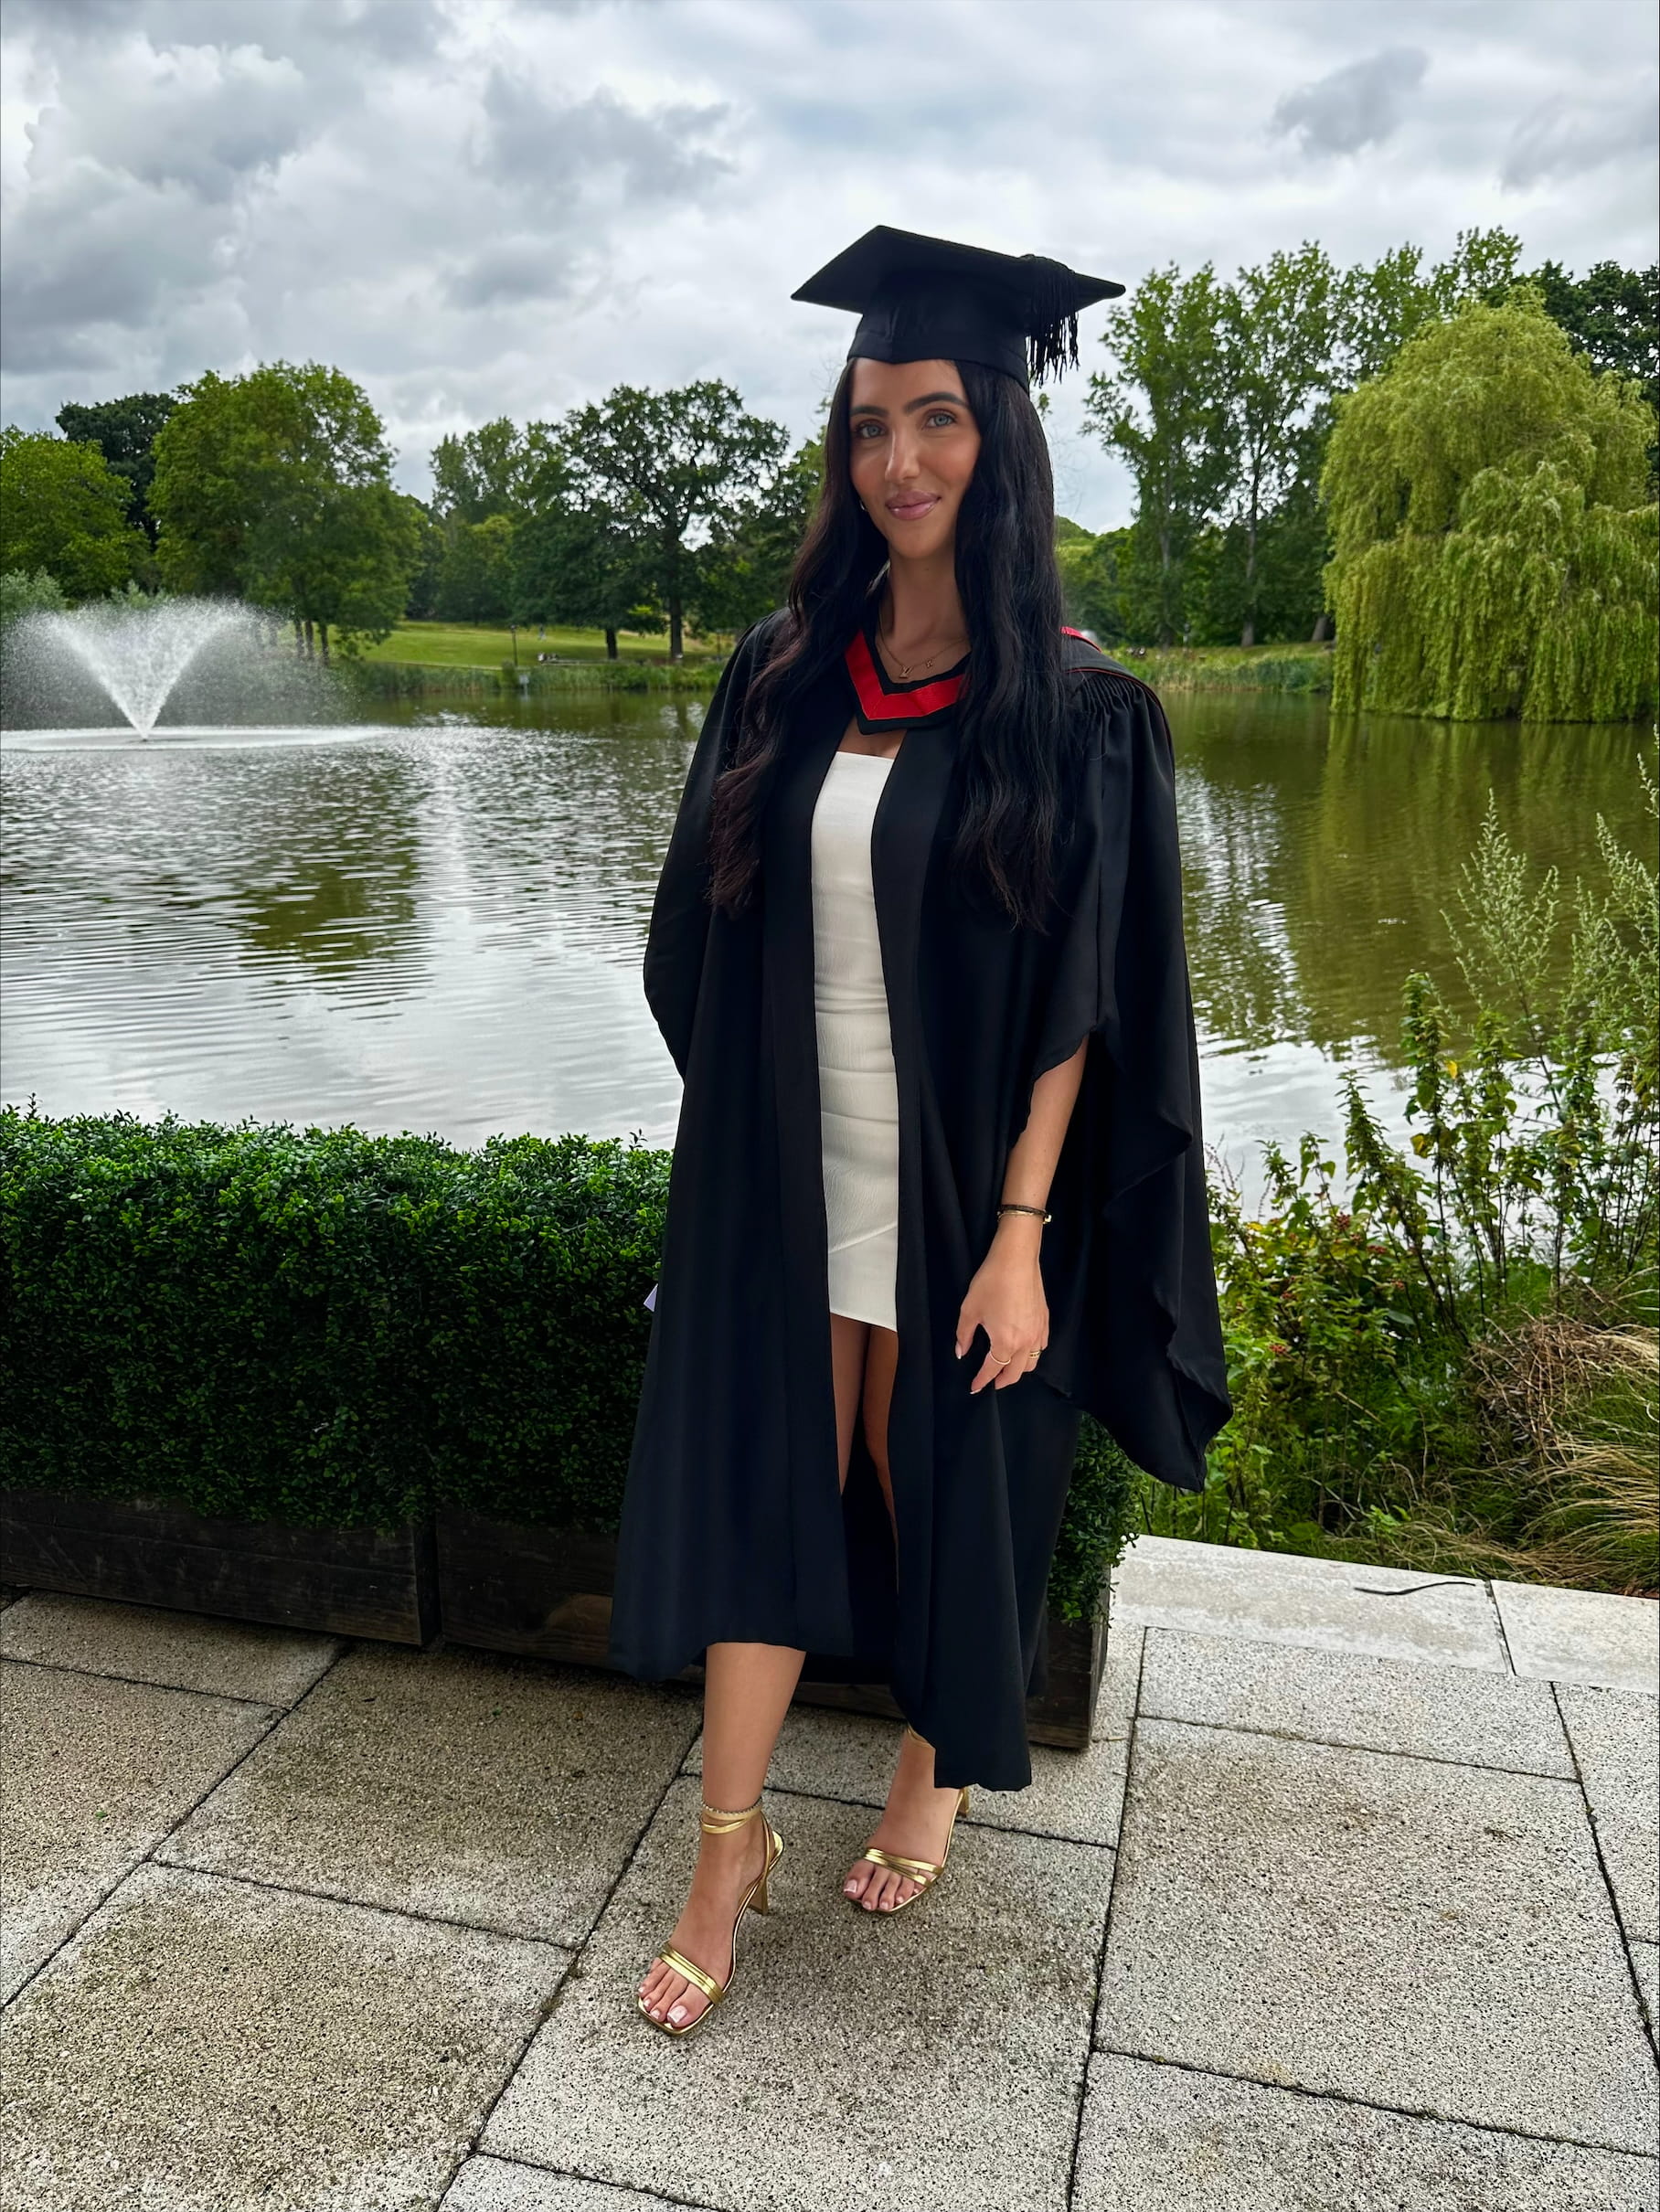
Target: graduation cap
<point>926,298</point>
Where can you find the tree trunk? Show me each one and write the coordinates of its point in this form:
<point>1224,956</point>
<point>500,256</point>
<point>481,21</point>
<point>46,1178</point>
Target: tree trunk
<point>1323,628</point>
<point>1167,625</point>
<point>311,641</point>
<point>1248,634</point>
<point>611,644</point>
<point>513,633</point>
<point>676,629</point>
<point>322,640</point>
<point>299,640</point>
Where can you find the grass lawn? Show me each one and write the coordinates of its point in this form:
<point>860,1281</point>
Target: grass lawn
<point>473,645</point>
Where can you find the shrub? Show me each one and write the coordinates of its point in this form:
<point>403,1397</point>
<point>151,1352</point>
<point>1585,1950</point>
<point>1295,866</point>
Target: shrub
<point>326,1327</point>
<point>23,592</point>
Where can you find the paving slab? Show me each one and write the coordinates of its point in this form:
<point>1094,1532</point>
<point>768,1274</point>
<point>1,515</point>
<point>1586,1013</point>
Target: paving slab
<point>1581,1635</point>
<point>495,2184</point>
<point>1330,1605</point>
<point>1616,1740</point>
<point>1161,2139</point>
<point>9,1595</point>
<point>1438,1939</point>
<point>1646,1957</point>
<point>933,2060</point>
<point>1075,1794</point>
<point>1344,1697</point>
<point>96,1772</point>
<point>207,2043</point>
<point>502,1793</point>
<point>185,1651</point>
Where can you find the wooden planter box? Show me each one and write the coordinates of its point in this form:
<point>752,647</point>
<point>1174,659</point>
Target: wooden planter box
<point>547,1592</point>
<point>348,1581</point>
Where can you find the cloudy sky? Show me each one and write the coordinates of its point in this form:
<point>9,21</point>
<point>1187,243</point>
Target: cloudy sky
<point>504,206</point>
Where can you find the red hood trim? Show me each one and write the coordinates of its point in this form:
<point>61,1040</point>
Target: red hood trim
<point>909,704</point>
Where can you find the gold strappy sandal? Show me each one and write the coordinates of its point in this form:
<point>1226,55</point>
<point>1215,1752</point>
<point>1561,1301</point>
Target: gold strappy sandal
<point>714,1821</point>
<point>923,1872</point>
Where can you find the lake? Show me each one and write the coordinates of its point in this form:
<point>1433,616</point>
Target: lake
<point>436,924</point>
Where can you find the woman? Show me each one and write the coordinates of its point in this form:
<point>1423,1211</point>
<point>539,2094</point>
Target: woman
<point>917,951</point>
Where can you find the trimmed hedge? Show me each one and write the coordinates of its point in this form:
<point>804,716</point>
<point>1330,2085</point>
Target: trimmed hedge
<point>325,1327</point>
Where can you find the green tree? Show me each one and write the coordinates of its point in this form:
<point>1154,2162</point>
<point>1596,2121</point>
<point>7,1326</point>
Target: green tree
<point>743,568</point>
<point>1384,305</point>
<point>676,464</point>
<point>1492,552</point>
<point>1222,405</point>
<point>64,509</point>
<point>489,470</point>
<point>579,559</point>
<point>1164,410</point>
<point>277,486</point>
<point>582,566</point>
<point>1611,315</point>
<point>1279,327</point>
<point>1093,577</point>
<point>475,576</point>
<point>426,575</point>
<point>123,431</point>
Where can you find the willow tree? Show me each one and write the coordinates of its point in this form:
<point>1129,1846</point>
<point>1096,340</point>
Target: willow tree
<point>1494,553</point>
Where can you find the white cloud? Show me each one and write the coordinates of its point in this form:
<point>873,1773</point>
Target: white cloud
<point>493,207</point>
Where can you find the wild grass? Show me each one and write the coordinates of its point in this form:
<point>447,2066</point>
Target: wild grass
<point>1299,668</point>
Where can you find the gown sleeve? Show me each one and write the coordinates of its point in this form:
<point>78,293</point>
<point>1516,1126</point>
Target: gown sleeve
<point>678,936</point>
<point>1135,1331</point>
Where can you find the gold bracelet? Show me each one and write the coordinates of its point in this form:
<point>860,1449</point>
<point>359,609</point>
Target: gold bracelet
<point>1025,1210</point>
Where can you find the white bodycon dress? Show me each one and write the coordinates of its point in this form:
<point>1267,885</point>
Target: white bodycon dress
<point>859,1098</point>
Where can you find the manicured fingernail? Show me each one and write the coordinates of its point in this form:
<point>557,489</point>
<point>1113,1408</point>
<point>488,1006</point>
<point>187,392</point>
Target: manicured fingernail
<point>679,2014</point>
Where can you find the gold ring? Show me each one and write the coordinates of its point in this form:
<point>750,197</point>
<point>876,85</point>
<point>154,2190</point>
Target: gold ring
<point>1004,1363</point>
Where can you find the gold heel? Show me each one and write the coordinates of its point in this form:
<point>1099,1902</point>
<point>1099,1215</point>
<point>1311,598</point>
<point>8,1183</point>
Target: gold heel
<point>714,1821</point>
<point>923,1872</point>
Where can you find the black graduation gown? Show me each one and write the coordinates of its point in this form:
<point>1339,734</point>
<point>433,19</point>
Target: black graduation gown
<point>733,1527</point>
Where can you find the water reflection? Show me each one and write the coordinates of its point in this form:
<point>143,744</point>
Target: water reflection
<point>438,925</point>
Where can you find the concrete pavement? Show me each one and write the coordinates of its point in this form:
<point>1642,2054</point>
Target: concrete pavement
<point>1352,1904</point>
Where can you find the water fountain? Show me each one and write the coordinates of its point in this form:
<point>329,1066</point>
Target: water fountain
<point>226,672</point>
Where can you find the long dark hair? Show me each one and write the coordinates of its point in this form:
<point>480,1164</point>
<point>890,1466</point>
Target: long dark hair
<point>1013,721</point>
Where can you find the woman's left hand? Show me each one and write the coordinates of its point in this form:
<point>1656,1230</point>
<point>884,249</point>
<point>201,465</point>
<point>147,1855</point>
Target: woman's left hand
<point>1006,1299</point>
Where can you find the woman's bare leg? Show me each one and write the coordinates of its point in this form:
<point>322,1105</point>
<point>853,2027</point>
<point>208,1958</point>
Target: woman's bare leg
<point>916,1818</point>
<point>747,1692</point>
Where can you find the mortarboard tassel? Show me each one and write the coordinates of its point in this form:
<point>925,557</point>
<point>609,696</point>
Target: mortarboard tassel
<point>1052,339</point>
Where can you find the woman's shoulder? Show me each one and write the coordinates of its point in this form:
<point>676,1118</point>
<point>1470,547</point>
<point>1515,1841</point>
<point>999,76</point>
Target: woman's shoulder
<point>1106,698</point>
<point>762,639</point>
<point>1084,658</point>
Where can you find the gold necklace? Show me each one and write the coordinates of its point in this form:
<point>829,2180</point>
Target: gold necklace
<point>905,667</point>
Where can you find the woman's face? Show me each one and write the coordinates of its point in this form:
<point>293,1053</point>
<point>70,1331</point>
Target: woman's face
<point>912,445</point>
